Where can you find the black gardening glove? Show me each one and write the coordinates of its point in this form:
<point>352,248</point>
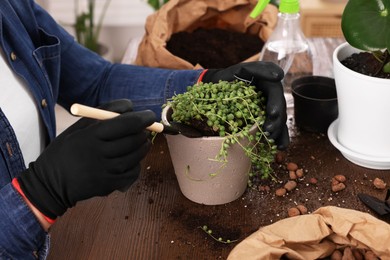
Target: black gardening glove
<point>90,158</point>
<point>266,76</point>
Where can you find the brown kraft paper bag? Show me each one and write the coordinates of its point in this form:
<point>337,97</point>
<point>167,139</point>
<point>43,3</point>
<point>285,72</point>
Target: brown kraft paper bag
<point>316,235</point>
<point>188,15</point>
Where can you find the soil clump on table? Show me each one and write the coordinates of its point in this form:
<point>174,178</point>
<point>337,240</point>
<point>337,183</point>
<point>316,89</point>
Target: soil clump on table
<point>214,48</point>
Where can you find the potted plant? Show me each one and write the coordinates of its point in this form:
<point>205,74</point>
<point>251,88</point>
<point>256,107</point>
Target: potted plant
<point>214,169</point>
<point>361,131</point>
<point>88,27</point>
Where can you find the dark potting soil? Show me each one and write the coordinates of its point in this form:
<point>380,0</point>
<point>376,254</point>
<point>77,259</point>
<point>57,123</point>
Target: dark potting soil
<point>365,63</point>
<point>203,46</point>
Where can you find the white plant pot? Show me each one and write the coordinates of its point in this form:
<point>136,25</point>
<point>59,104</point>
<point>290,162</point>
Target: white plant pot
<point>194,165</point>
<point>362,130</point>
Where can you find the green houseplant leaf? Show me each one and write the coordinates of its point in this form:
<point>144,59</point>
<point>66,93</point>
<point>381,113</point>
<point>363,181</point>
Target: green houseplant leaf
<point>156,4</point>
<point>366,24</point>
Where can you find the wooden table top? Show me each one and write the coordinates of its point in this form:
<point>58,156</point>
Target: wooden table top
<point>153,220</point>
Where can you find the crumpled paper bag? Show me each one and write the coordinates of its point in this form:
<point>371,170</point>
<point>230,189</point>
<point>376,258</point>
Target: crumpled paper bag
<point>188,15</point>
<point>316,235</point>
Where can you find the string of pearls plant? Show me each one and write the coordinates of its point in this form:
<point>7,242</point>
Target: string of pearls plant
<point>219,239</point>
<point>229,110</point>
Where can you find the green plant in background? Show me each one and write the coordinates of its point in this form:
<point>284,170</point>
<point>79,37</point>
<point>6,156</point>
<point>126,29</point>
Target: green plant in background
<point>87,28</point>
<point>229,110</point>
<point>366,26</point>
<point>156,4</point>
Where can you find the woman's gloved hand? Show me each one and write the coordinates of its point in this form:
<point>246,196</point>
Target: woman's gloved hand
<point>266,76</point>
<point>90,158</point>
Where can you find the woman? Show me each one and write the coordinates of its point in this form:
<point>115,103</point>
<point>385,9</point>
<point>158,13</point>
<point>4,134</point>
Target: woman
<point>41,176</point>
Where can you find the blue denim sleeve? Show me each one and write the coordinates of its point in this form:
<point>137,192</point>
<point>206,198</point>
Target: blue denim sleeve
<point>18,226</point>
<point>88,79</point>
<point>148,88</point>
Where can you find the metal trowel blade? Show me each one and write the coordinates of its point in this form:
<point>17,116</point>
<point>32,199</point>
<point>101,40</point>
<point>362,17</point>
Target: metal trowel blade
<point>378,206</point>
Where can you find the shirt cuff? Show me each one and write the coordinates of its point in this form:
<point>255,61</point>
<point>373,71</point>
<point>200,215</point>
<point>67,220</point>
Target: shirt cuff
<point>201,76</point>
<point>21,235</point>
<point>16,185</point>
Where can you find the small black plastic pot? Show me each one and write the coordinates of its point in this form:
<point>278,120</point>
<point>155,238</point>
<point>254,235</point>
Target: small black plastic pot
<point>315,103</point>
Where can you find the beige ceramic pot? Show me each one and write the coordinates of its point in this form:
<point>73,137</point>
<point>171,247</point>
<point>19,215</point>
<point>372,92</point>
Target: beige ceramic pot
<point>201,178</point>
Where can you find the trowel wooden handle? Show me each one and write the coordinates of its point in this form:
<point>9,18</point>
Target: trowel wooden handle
<point>100,114</point>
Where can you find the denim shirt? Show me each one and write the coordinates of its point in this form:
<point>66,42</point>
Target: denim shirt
<point>58,70</point>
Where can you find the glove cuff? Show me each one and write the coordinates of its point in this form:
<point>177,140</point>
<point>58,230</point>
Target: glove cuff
<point>207,75</point>
<point>200,79</point>
<point>36,192</point>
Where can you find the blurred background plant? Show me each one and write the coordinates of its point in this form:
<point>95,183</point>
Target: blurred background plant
<point>156,4</point>
<point>87,26</point>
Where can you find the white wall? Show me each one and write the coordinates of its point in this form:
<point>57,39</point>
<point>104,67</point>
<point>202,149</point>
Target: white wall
<point>124,20</point>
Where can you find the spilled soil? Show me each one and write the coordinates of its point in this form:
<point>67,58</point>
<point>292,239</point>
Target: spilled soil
<point>260,205</point>
<point>313,153</point>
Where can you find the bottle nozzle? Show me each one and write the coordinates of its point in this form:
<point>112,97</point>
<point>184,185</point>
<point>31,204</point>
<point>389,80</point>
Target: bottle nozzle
<point>289,6</point>
<point>259,8</point>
